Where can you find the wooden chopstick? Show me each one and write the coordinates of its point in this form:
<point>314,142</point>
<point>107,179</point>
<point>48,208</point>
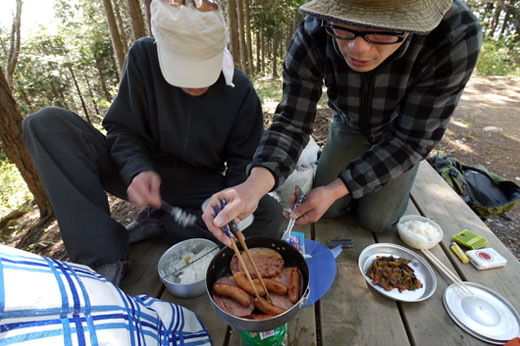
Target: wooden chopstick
<point>238,234</point>
<point>237,252</point>
<point>445,270</point>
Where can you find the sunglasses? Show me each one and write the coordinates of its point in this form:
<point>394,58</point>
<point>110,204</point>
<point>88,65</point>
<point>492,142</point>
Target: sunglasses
<point>201,5</point>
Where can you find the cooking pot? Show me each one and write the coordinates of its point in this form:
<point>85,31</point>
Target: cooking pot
<point>219,267</point>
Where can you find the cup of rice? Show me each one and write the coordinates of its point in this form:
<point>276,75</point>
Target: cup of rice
<point>419,232</point>
<point>190,281</point>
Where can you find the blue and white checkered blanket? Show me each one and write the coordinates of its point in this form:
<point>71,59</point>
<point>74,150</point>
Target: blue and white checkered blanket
<point>49,302</point>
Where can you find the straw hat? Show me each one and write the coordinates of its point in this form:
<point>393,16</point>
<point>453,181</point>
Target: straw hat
<point>401,15</point>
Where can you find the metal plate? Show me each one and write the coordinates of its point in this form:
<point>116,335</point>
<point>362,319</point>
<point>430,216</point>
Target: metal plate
<point>485,314</point>
<point>423,271</point>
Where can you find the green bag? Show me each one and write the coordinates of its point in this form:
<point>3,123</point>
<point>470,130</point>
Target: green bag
<point>486,193</point>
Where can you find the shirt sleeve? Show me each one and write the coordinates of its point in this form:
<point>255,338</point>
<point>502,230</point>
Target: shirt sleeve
<point>126,121</point>
<point>422,117</point>
<point>292,124</point>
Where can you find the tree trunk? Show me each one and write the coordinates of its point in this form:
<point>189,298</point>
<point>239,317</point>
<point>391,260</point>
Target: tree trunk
<point>92,97</point>
<point>249,44</point>
<point>15,149</point>
<point>121,26</point>
<point>258,52</point>
<point>148,15</point>
<point>87,116</point>
<point>275,54</point>
<point>14,44</point>
<point>241,36</point>
<point>136,18</point>
<point>114,34</point>
<point>508,5</point>
<point>496,15</point>
<point>102,80</point>
<point>263,53</point>
<point>233,26</point>
<point>26,98</point>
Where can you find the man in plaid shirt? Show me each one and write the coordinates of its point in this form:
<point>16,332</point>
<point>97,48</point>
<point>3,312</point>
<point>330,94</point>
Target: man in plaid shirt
<point>394,73</point>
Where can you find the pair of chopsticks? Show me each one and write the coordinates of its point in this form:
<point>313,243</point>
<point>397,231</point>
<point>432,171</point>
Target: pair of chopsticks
<point>235,232</point>
<point>448,273</point>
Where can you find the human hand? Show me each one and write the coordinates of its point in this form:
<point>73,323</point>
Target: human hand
<point>317,202</point>
<point>144,190</point>
<point>242,200</point>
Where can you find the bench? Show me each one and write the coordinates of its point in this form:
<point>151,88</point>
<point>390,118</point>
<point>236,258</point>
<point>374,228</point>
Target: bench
<point>350,313</point>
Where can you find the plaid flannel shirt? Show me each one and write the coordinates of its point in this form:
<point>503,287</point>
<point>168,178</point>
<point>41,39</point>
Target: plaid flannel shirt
<point>402,107</point>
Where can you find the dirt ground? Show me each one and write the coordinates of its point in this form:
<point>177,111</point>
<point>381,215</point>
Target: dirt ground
<point>485,130</point>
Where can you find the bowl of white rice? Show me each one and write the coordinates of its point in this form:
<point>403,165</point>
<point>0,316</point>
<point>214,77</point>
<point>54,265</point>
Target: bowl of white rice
<point>419,232</point>
<point>182,268</point>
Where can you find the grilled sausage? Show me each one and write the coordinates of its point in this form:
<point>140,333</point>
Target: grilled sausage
<point>234,292</point>
<point>273,285</point>
<point>294,286</point>
<point>242,282</point>
<point>267,308</point>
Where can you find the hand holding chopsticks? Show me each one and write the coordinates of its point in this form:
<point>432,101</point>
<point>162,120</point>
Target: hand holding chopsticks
<point>234,231</point>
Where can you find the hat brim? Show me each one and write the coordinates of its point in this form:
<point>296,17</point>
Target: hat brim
<point>189,74</point>
<point>411,16</point>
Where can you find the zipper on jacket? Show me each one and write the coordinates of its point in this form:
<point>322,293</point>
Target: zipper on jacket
<point>364,116</point>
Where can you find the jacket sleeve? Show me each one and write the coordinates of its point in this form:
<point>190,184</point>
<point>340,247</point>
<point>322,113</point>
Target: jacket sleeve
<point>126,120</point>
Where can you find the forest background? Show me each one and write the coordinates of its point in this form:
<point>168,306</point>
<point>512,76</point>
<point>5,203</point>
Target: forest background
<point>74,61</point>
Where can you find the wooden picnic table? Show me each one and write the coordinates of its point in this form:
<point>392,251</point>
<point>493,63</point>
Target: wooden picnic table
<point>351,313</point>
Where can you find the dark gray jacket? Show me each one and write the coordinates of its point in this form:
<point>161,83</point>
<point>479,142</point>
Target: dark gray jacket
<point>151,120</point>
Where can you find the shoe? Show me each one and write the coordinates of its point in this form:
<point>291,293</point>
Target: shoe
<point>147,225</point>
<point>114,271</point>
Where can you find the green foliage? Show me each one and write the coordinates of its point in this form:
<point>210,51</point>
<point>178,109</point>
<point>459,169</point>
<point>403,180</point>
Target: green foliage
<point>499,57</point>
<point>269,91</point>
<point>13,190</point>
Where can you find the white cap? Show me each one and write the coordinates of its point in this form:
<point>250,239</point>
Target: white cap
<point>190,44</point>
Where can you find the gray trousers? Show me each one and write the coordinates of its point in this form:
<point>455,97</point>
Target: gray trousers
<point>378,211</point>
<point>73,161</point>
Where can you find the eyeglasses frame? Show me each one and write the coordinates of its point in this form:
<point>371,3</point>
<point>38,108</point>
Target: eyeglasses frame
<point>400,36</point>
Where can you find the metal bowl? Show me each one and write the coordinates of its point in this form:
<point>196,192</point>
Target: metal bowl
<point>219,267</point>
<point>419,243</point>
<point>188,289</point>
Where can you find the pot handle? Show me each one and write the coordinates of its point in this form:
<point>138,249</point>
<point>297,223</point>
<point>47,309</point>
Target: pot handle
<point>305,296</point>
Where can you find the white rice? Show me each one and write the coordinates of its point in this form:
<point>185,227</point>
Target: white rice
<point>420,231</point>
<point>193,272</point>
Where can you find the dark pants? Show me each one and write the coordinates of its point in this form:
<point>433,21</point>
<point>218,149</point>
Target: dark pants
<point>378,211</point>
<point>73,161</point>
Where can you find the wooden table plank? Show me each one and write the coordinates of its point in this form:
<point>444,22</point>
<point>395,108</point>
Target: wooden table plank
<point>425,319</point>
<point>439,202</point>
<point>350,312</point>
<point>301,329</point>
<point>143,277</point>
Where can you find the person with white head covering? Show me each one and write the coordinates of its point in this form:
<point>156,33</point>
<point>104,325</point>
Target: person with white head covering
<point>394,71</point>
<point>184,124</point>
